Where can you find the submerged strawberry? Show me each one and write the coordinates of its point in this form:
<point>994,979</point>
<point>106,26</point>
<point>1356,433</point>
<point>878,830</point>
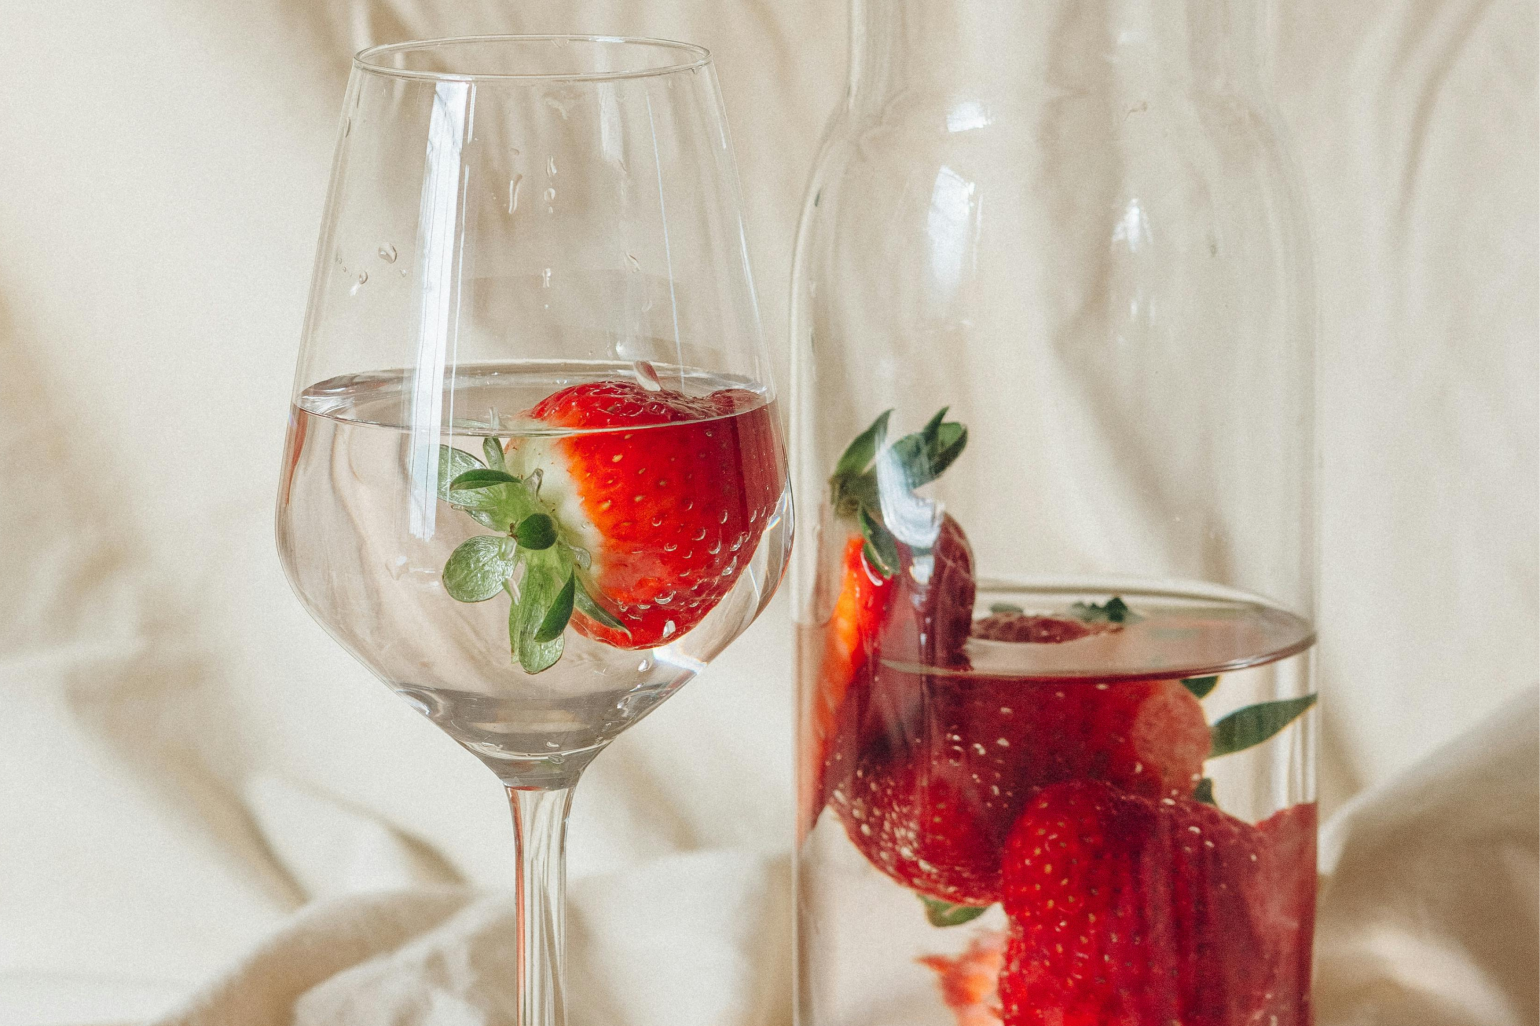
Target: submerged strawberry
<point>933,807</point>
<point>1131,911</point>
<point>1286,895</point>
<point>908,599</point>
<point>863,698</point>
<point>668,512</point>
<point>1023,628</point>
<point>969,982</point>
<point>845,661</point>
<point>629,520</point>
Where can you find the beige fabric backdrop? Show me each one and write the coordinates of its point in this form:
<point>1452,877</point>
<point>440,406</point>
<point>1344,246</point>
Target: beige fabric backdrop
<point>185,758</point>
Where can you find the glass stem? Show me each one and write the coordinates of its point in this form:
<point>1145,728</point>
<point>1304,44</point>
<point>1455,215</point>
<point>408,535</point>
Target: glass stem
<point>540,840</point>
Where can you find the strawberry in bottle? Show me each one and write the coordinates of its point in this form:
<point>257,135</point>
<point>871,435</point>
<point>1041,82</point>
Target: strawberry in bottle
<point>969,981</point>
<point>1286,897</point>
<point>909,599</point>
<point>933,809</point>
<point>1136,912</point>
<point>849,645</point>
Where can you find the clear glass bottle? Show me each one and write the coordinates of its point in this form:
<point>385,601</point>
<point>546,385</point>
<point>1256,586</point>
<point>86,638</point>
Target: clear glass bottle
<point>1079,603</point>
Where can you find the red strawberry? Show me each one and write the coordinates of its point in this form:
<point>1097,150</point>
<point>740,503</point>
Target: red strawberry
<point>1024,628</point>
<point>1287,898</point>
<point>932,807</point>
<point>1146,737</point>
<point>969,983</point>
<point>858,699</point>
<point>849,643</point>
<point>928,825</point>
<point>668,514</point>
<point>1134,912</point>
<point>933,614</point>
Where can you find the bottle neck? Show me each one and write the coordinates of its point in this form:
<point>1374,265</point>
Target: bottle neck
<point>983,49</point>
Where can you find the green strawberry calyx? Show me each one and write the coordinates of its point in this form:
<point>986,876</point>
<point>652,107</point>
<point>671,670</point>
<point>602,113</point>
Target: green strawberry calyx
<point>544,576</point>
<point>874,484</point>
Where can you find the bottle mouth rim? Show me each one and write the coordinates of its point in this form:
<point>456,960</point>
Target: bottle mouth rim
<point>531,58</point>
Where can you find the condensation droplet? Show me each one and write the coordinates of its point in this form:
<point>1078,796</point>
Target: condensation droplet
<point>647,304</point>
<point>550,194</point>
<point>513,192</point>
<point>363,276</point>
<point>636,265</point>
<point>553,744</point>
<point>387,253</point>
<point>545,278</point>
<point>668,629</point>
<point>550,166</point>
<point>644,666</point>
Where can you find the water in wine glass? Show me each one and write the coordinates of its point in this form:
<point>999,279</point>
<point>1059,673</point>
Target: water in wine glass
<point>435,530</point>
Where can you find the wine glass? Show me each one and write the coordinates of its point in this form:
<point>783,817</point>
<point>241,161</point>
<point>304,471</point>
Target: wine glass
<point>534,476</point>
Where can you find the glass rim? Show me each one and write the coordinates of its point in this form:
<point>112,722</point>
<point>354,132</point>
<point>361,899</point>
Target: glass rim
<point>691,56</point>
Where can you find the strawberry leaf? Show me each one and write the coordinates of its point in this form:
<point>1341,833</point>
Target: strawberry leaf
<point>473,480</point>
<point>1204,792</point>
<point>1005,607</point>
<point>539,589</point>
<point>944,913</point>
<point>492,449</point>
<point>859,454</point>
<point>535,532</point>
<point>932,427</point>
<point>555,621</point>
<point>881,550</point>
<point>1114,611</point>
<point>922,456</point>
<point>589,607</point>
<point>1254,724</point>
<point>478,568</point>
<point>451,464</point>
<point>1200,686</point>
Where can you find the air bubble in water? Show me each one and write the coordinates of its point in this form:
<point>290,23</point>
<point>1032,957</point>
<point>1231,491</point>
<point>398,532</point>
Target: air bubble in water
<point>647,376</point>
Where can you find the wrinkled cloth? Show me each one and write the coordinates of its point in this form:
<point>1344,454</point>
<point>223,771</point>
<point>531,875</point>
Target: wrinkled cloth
<point>1428,917</point>
<point>696,938</point>
<point>187,761</point>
